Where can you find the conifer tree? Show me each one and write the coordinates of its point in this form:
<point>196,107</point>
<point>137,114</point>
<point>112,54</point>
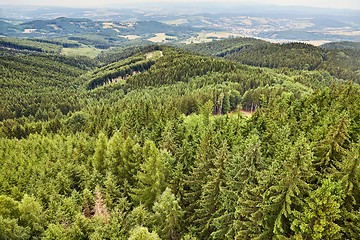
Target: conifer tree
<point>139,216</point>
<point>288,187</point>
<point>320,214</point>
<point>150,177</point>
<point>332,149</point>
<point>243,164</point>
<point>100,153</point>
<point>350,177</point>
<point>167,216</point>
<point>142,233</point>
<point>114,158</point>
<point>198,176</point>
<point>210,200</point>
<point>249,168</point>
<point>31,215</point>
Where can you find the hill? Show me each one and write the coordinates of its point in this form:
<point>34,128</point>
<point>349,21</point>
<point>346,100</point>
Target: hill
<point>152,144</point>
<point>339,62</point>
<point>341,45</point>
<point>96,33</point>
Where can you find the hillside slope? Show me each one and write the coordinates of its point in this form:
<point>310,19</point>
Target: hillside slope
<point>340,62</point>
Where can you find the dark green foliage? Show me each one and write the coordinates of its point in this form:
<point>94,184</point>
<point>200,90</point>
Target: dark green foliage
<point>118,71</point>
<point>341,45</point>
<point>339,59</point>
<point>29,45</point>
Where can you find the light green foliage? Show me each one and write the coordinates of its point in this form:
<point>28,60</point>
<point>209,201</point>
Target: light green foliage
<point>31,214</point>
<point>139,216</point>
<point>9,230</point>
<point>321,211</point>
<point>20,220</point>
<point>100,153</point>
<point>142,233</point>
<point>90,52</point>
<point>54,232</point>
<point>150,177</point>
<point>167,216</point>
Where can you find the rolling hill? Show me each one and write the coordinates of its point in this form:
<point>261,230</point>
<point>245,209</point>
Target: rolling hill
<point>339,59</point>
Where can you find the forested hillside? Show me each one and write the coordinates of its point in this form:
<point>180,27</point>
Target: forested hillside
<point>153,143</point>
<point>341,60</point>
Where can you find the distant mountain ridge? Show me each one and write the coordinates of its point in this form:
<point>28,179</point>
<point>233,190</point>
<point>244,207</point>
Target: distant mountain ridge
<point>63,26</point>
<point>280,23</point>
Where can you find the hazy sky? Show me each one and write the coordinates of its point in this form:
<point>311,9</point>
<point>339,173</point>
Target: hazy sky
<point>349,4</point>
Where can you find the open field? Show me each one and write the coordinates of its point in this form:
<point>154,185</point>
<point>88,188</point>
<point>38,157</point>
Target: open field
<point>155,55</point>
<point>208,37</point>
<point>83,51</point>
<point>344,32</point>
<point>312,42</point>
<point>161,37</point>
<point>177,21</point>
<point>131,37</point>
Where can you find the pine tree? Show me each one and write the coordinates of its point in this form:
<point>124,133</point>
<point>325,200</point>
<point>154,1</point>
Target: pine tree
<point>322,209</point>
<point>142,233</point>
<point>210,201</point>
<point>31,215</point>
<point>114,158</point>
<point>350,177</point>
<point>100,153</point>
<point>132,157</point>
<point>167,216</point>
<point>288,187</point>
<point>112,192</point>
<point>139,216</point>
<point>150,177</point>
<point>332,149</point>
<point>248,215</point>
<point>198,177</point>
<point>243,164</point>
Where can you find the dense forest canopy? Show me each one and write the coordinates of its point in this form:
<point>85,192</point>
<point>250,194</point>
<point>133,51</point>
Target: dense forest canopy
<point>340,59</point>
<point>153,143</point>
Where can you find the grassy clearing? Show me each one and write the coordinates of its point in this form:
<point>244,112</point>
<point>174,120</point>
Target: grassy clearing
<point>177,21</point>
<point>131,37</point>
<point>209,36</point>
<point>161,37</point>
<point>154,55</point>
<point>83,51</point>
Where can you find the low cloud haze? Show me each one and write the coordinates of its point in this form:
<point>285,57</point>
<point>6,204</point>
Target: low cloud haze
<point>348,4</point>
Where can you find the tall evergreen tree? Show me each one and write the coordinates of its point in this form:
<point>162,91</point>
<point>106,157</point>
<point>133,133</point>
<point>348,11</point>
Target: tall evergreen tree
<point>100,153</point>
<point>150,177</point>
<point>210,200</point>
<point>350,177</point>
<point>321,212</point>
<point>167,216</point>
<point>198,177</point>
<point>333,147</point>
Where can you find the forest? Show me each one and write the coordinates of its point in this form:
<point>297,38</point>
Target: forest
<point>234,139</point>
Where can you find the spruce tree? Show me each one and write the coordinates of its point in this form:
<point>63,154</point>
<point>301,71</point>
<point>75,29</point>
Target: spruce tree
<point>210,201</point>
<point>150,178</point>
<point>349,175</point>
<point>100,153</point>
<point>167,216</point>
<point>320,214</point>
<point>333,147</point>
